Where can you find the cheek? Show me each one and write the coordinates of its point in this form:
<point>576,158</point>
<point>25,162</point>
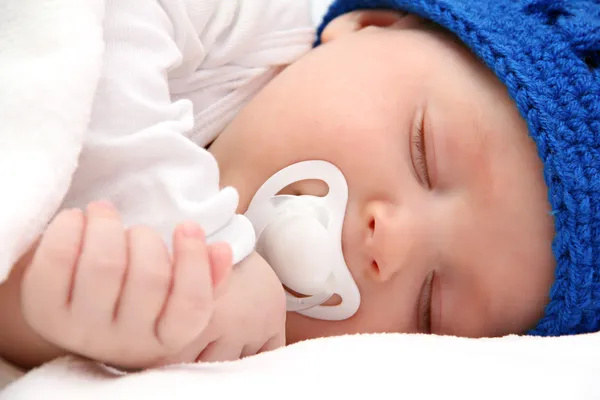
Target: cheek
<point>384,308</point>
<point>502,260</point>
<point>353,126</point>
<point>359,143</point>
<point>375,163</point>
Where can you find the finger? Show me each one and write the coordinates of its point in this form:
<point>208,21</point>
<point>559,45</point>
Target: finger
<point>273,343</point>
<point>189,306</point>
<point>149,277</point>
<point>220,351</point>
<point>47,281</point>
<point>101,268</point>
<point>221,259</point>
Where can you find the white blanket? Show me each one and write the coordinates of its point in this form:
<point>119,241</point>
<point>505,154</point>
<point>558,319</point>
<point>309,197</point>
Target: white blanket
<point>50,57</point>
<point>367,366</point>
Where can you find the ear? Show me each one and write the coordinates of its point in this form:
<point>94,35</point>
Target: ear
<point>357,20</point>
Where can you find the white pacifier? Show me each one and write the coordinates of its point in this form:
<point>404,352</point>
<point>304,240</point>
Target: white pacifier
<point>301,238</point>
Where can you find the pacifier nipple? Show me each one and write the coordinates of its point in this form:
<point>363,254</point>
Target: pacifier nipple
<point>304,269</point>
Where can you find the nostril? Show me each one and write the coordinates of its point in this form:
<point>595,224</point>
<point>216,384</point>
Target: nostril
<point>375,267</point>
<point>371,226</point>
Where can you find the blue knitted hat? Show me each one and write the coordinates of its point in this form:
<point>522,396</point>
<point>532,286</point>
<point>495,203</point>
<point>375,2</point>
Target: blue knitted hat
<point>547,53</point>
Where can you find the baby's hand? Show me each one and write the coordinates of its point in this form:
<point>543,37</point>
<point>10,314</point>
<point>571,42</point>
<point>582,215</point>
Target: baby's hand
<point>114,295</point>
<point>249,316</point>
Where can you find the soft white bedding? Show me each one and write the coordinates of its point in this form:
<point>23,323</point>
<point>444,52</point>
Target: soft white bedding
<point>54,46</point>
<point>367,366</point>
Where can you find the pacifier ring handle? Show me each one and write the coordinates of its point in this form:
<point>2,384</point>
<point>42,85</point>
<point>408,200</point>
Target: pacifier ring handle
<point>295,303</point>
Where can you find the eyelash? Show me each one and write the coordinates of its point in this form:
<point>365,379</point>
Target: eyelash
<point>420,156</point>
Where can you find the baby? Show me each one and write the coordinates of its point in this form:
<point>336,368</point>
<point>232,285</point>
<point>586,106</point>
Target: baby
<point>466,132</point>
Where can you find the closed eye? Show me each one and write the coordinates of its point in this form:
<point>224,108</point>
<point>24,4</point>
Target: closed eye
<point>424,305</point>
<point>419,154</point>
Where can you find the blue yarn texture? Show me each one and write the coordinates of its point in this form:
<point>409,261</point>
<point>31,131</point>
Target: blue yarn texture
<point>547,53</point>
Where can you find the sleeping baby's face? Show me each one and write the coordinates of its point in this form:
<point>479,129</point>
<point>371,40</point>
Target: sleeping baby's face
<point>448,227</point>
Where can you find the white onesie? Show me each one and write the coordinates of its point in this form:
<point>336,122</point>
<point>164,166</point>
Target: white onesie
<point>175,73</point>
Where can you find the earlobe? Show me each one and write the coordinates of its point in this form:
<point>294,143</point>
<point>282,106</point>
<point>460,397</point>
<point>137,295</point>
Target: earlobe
<point>357,20</point>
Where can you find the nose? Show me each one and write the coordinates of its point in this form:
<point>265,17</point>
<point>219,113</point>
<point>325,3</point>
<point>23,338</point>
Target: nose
<point>391,238</point>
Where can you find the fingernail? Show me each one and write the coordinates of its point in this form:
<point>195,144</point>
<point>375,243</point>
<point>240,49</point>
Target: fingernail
<point>191,230</point>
